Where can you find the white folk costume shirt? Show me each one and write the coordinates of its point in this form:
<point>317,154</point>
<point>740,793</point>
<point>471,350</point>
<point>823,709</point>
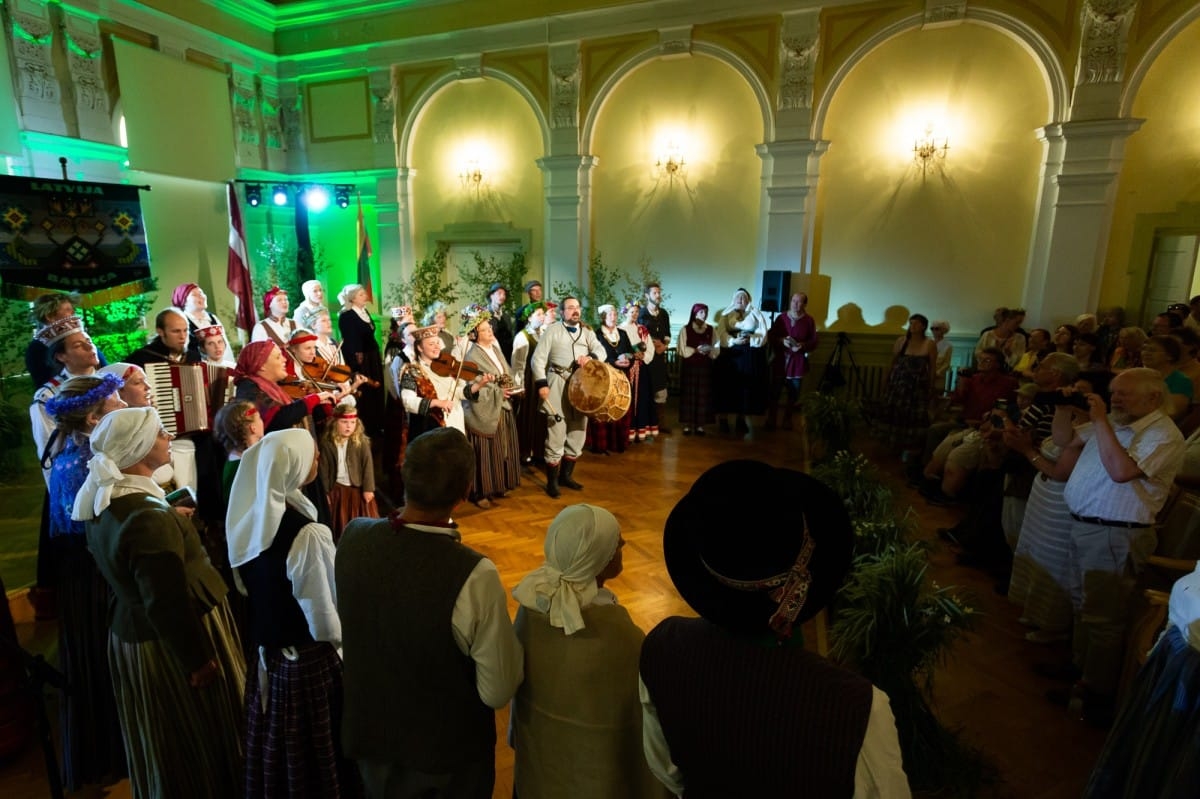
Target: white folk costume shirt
<point>482,630</point>
<point>559,347</point>
<point>751,322</point>
<point>520,355</point>
<point>282,330</point>
<point>268,481</point>
<point>635,338</point>
<point>1155,444</point>
<point>448,387</point>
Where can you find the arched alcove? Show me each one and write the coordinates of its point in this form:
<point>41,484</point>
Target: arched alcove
<point>698,225</point>
<point>484,125</point>
<point>891,231</point>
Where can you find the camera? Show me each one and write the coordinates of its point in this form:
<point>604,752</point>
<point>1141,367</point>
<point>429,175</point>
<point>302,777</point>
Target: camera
<point>1057,398</point>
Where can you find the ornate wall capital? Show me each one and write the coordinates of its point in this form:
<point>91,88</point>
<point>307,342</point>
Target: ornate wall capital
<point>564,87</point>
<point>1105,28</point>
<point>799,45</point>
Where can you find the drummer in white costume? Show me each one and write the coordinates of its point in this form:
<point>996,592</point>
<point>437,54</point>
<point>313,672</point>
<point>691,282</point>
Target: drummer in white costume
<point>563,347</point>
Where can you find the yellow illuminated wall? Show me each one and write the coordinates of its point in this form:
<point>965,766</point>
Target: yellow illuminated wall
<point>699,235</point>
<point>951,243</point>
<point>1162,159</point>
<point>485,122</point>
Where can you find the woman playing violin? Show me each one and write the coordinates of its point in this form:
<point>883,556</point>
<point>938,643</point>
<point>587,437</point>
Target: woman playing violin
<point>315,373</point>
<point>434,399</point>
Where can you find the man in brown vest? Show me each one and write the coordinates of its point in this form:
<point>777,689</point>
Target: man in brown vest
<point>428,648</point>
<point>733,705</point>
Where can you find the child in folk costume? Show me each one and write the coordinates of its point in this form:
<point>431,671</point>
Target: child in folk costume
<point>347,471</point>
<point>237,427</point>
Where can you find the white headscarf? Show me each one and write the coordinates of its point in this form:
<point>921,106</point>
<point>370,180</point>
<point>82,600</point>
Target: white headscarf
<point>268,480</point>
<point>581,541</point>
<point>121,439</point>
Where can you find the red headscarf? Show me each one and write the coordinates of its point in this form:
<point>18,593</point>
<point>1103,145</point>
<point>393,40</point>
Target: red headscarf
<point>268,297</point>
<point>180,294</point>
<point>250,362</point>
<point>696,309</point>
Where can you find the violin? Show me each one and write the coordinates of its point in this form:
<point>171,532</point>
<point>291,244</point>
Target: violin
<point>446,365</point>
<point>322,371</point>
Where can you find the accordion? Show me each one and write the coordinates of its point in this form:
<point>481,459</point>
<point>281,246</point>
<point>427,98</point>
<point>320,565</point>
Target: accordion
<point>187,396</point>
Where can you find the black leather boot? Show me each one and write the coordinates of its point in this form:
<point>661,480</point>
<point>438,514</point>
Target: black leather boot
<point>568,468</point>
<point>552,480</point>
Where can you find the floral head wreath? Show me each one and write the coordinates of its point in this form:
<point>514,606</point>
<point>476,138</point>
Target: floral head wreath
<point>629,306</point>
<point>472,316</point>
<point>60,405</point>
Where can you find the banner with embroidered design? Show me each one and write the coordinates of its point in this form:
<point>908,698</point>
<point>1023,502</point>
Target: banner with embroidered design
<point>71,236</point>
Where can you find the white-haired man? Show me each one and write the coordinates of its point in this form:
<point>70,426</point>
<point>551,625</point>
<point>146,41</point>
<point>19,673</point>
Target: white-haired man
<point>1124,473</point>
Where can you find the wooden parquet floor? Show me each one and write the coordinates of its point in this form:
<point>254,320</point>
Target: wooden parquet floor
<point>986,688</point>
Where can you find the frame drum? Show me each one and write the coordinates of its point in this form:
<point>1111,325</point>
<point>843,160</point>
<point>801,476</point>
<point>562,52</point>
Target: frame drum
<point>599,391</point>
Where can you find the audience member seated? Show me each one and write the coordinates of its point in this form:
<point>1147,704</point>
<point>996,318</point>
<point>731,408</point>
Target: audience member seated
<point>1162,354</point>
<point>1064,339</point>
<point>569,742</point>
<point>961,453</point>
<point>1164,323</point>
<point>1038,347</point>
<point>1192,320</point>
<point>733,704</point>
<point>1006,337</point>
<point>1128,352</point>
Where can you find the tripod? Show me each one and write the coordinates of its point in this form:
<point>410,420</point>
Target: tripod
<point>833,376</point>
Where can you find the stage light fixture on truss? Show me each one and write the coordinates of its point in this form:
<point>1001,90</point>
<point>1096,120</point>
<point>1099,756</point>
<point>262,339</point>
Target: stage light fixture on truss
<point>253,195</point>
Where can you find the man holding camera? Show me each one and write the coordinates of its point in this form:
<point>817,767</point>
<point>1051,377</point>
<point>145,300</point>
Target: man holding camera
<point>1124,473</point>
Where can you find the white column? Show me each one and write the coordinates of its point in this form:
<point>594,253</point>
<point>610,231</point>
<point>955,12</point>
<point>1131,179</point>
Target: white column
<point>787,209</point>
<point>566,182</point>
<point>406,252</point>
<point>387,221</point>
<point>1074,214</point>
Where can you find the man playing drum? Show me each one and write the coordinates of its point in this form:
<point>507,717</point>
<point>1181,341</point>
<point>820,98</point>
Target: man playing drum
<point>564,346</point>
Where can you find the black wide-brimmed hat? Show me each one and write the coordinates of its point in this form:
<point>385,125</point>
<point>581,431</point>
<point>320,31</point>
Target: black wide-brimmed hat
<point>756,548</point>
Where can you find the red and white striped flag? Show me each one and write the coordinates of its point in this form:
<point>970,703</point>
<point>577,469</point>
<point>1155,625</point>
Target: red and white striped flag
<point>237,274</point>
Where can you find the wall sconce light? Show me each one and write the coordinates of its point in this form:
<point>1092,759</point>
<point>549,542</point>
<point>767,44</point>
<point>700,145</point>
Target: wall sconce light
<point>472,175</point>
<point>670,164</point>
<point>928,148</point>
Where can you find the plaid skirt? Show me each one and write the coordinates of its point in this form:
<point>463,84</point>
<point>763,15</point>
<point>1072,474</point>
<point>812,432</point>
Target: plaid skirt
<point>182,742</point>
<point>293,726</point>
<point>695,392</point>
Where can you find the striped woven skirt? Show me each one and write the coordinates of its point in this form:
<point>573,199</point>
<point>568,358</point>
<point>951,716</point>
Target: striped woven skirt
<point>182,742</point>
<point>293,726</point>
<point>1041,562</point>
<point>1153,749</point>
<point>497,464</point>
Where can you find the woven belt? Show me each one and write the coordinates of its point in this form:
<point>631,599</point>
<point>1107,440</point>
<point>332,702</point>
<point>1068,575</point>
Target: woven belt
<point>1109,522</point>
<point>561,371</point>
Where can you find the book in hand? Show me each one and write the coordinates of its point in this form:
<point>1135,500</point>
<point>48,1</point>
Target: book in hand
<point>182,498</point>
